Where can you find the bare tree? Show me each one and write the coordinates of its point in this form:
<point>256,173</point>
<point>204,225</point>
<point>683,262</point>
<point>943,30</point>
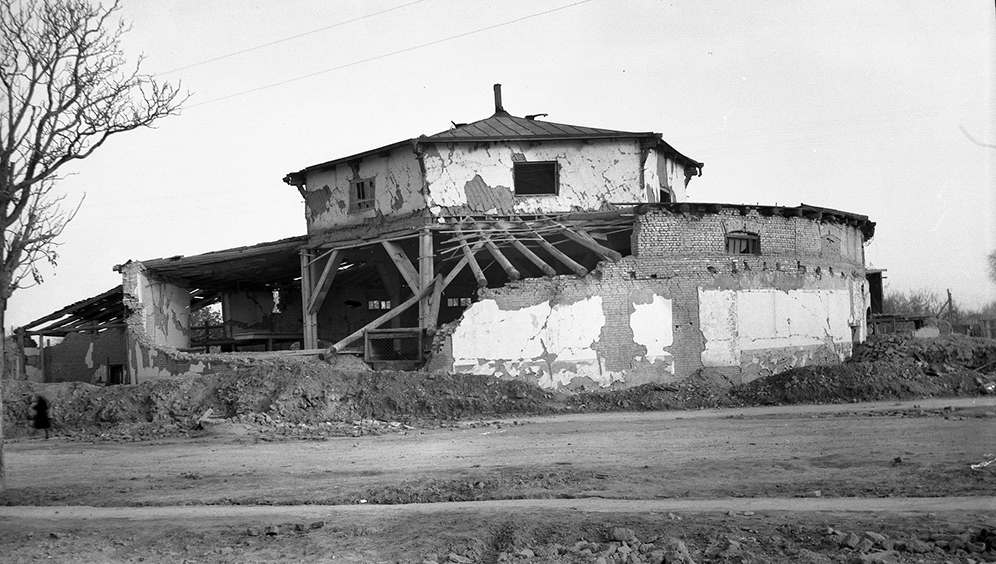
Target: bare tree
<point>991,259</point>
<point>65,88</point>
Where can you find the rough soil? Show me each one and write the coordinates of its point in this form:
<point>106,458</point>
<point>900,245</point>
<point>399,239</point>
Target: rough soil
<point>294,435</point>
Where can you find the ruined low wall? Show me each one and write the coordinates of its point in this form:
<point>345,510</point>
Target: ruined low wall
<point>85,357</point>
<point>148,362</point>
<point>659,316</point>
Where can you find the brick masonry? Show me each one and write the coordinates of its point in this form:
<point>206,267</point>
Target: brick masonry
<point>679,252</point>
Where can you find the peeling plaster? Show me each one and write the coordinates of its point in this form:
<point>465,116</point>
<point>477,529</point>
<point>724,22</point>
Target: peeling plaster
<point>652,328</point>
<point>590,175</point>
<point>553,344</point>
<point>89,356</point>
<point>741,327</point>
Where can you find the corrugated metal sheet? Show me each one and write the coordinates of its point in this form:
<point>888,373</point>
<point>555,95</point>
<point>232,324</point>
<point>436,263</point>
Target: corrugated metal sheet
<point>505,127</point>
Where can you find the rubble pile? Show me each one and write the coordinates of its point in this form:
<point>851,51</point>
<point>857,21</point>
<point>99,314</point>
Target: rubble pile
<point>892,367</point>
<point>704,388</point>
<point>615,544</point>
<point>288,397</point>
<point>296,397</point>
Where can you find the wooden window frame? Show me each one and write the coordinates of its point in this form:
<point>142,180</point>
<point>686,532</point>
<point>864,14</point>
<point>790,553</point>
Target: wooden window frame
<point>362,192</point>
<point>520,171</point>
<point>743,243</point>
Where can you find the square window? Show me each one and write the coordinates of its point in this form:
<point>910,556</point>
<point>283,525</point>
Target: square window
<point>535,179</point>
<point>742,243</point>
<point>379,304</point>
<point>361,194</point>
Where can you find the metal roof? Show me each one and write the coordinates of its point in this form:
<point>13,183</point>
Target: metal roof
<point>276,262</point>
<point>502,126</point>
<point>505,127</point>
<point>103,311</point>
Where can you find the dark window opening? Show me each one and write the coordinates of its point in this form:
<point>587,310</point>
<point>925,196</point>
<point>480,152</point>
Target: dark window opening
<point>665,197</point>
<point>742,243</point>
<point>361,194</point>
<point>532,179</point>
<point>458,302</point>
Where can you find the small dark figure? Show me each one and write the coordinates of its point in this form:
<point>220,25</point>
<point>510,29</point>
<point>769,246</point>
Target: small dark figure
<point>41,415</point>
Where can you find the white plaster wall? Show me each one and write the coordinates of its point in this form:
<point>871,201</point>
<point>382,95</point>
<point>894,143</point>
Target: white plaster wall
<point>556,344</point>
<point>398,185</point>
<point>591,173</point>
<point>735,321</point>
<point>668,174</point>
<point>653,328</point>
<point>553,343</point>
<point>165,311</point>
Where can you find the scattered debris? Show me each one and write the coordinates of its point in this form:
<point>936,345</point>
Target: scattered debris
<point>984,463</point>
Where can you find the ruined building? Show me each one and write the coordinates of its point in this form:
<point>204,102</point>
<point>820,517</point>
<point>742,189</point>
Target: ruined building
<point>518,247</point>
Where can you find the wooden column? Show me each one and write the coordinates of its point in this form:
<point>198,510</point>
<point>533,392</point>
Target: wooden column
<point>310,319</point>
<point>426,274</point>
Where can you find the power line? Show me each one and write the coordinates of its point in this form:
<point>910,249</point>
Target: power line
<point>284,40</point>
<point>386,55</point>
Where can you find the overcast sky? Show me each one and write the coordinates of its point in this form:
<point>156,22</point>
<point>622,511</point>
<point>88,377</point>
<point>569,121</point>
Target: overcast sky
<point>853,105</point>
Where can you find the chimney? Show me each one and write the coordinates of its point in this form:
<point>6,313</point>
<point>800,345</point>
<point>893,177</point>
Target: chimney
<point>498,108</point>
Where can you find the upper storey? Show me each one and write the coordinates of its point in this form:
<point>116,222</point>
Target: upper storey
<point>501,165</point>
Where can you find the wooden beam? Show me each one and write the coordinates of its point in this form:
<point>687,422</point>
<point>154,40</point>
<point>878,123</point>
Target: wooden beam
<point>558,254</point>
<point>426,274</point>
<point>432,320</point>
<point>585,240</point>
<point>384,318</point>
<point>405,267</point>
<point>310,321</point>
<point>507,265</point>
<point>529,254</point>
<point>324,282</point>
<point>471,260</point>
<point>502,260</point>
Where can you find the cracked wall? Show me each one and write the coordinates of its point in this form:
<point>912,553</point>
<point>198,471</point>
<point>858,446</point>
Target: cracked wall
<point>397,191</point>
<point>464,178</point>
<point>679,304</point>
<point>606,329</point>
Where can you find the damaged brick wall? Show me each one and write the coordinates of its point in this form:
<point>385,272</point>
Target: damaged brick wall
<point>678,304</point>
<point>85,357</point>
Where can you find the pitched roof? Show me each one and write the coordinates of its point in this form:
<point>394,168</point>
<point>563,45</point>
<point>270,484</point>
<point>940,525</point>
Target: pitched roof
<point>503,126</point>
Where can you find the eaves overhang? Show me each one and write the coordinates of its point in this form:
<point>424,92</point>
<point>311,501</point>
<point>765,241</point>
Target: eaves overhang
<point>503,127</point>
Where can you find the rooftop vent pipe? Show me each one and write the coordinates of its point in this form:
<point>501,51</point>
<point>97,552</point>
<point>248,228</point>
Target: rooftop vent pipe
<point>499,110</point>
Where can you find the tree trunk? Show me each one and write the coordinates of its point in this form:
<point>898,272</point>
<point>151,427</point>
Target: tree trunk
<point>3,359</point>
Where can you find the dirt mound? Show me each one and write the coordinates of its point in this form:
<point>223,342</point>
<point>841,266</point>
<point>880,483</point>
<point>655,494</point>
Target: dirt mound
<point>884,368</point>
<point>950,351</point>
<point>297,397</point>
<point>281,391</point>
<point>704,388</point>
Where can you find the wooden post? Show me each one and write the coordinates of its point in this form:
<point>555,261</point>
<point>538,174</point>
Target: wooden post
<point>426,273</point>
<point>310,319</point>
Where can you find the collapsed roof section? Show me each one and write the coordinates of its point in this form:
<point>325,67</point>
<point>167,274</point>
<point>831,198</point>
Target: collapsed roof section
<point>98,313</point>
<point>265,264</point>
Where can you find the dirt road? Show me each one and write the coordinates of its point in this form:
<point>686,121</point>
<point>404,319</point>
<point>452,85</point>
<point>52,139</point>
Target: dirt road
<point>870,463</point>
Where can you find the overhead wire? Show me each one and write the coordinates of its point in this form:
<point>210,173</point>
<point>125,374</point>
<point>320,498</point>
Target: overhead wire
<point>390,54</point>
<point>291,38</point>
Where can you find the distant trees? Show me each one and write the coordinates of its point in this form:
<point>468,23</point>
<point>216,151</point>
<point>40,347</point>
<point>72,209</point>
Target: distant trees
<point>65,88</point>
<point>913,302</point>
